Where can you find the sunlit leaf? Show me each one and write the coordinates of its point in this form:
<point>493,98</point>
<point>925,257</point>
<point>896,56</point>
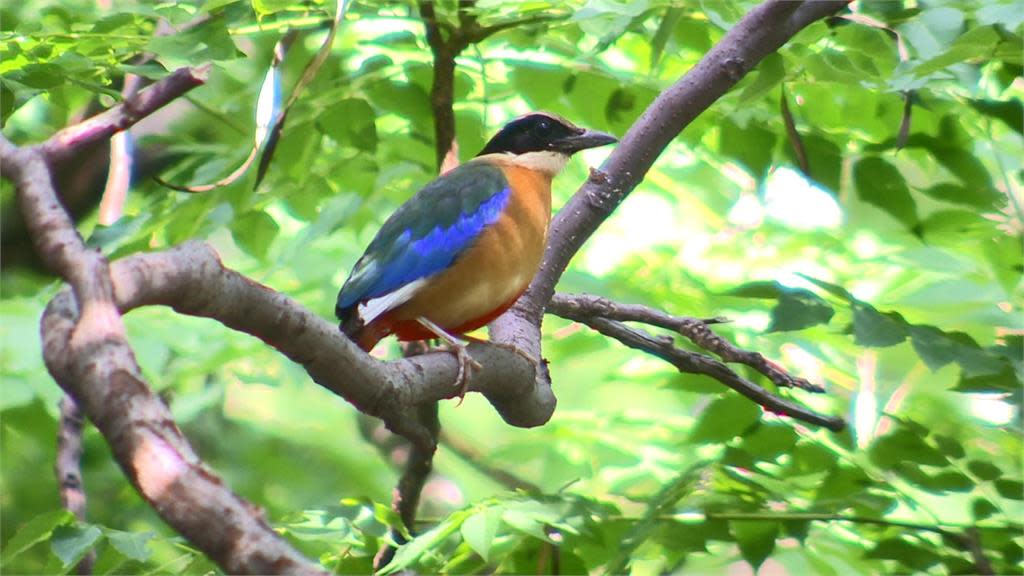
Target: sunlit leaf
<point>71,543</point>
<point>755,538</point>
<point>35,531</point>
<point>725,418</point>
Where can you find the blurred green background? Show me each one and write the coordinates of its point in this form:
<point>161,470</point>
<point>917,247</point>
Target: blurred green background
<point>892,276</point>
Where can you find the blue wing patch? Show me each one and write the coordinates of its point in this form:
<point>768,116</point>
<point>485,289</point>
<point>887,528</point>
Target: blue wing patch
<point>407,258</point>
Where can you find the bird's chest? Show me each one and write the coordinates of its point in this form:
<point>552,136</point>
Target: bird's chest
<point>500,263</point>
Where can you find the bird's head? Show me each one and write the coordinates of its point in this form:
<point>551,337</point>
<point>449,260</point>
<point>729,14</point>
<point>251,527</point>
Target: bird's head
<point>544,140</point>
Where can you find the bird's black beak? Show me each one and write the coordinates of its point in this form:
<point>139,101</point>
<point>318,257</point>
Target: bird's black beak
<point>585,139</point>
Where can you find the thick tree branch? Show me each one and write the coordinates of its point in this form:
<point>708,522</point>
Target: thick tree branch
<point>191,279</point>
<point>68,469</point>
<point>762,31</point>
<point>86,351</point>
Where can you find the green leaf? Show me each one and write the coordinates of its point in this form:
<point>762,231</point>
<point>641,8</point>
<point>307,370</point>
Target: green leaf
<point>664,33</point>
<point>133,545</point>
<point>975,44</point>
<point>769,440</point>
<point>1006,13</point>
<point>932,345</point>
<point>951,481</point>
<point>903,446</point>
<point>1009,112</point>
<point>254,232</point>
<point>824,158</point>
<point>797,309</point>
<point>881,184</point>
<point>756,539</point>
<point>350,122</point>
<point>266,7</point>
<point>1005,380</point>
<point>43,76</point>
<point>982,509</point>
<point>540,85</point>
<point>725,418</point>
<point>842,483</point>
<point>933,30</point>
<point>410,552</point>
<point>975,196</point>
<point>979,197</point>
<point>71,543</point>
<point>750,145</point>
<point>215,35</point>
<point>405,99</point>
<point>910,555</point>
<point>878,329</point>
<point>834,289</point>
<point>757,290</point>
<point>951,447</point>
<point>35,531</point>
<point>479,530</point>
<point>770,72</point>
<point>937,348</point>
<point>1011,489</point>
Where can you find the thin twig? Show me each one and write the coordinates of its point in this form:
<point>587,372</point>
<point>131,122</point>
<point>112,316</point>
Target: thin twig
<point>69,141</point>
<point>68,469</point>
<point>794,136</point>
<point>577,306</point>
<point>692,362</point>
<point>406,497</point>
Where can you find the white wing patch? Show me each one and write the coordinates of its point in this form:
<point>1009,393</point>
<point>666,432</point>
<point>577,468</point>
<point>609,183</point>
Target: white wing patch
<point>371,309</point>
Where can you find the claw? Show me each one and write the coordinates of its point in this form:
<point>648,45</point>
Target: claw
<point>466,363</point>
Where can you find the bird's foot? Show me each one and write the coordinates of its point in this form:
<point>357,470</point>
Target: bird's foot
<point>457,347</point>
<point>466,365</point>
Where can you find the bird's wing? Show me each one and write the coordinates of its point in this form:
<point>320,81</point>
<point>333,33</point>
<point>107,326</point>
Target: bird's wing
<point>424,237</point>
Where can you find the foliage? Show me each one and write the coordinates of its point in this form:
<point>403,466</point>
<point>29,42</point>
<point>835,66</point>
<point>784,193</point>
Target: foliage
<point>890,273</point>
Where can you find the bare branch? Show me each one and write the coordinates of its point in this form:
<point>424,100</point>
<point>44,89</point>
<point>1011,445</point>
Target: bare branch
<point>68,469</point>
<point>576,306</point>
<point>70,140</point>
<point>442,88</point>
<point>686,361</point>
<point>406,497</point>
<point>191,279</point>
<point>86,351</point>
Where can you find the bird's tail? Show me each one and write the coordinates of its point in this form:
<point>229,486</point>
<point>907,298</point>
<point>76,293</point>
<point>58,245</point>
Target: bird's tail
<point>365,336</point>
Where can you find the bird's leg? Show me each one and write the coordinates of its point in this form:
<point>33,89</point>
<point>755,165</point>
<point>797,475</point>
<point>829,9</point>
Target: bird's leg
<point>457,346</point>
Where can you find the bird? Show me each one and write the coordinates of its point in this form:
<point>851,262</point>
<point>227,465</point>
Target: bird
<point>462,250</point>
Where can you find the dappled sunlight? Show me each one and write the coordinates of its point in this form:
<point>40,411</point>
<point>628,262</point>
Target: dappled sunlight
<point>848,211</point>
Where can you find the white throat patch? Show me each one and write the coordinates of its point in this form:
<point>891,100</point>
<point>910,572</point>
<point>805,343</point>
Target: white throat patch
<point>550,163</point>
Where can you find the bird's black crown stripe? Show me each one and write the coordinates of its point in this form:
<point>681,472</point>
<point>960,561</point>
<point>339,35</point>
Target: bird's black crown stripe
<point>537,132</point>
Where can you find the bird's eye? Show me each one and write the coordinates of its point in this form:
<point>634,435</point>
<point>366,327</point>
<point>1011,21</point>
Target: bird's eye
<point>543,128</point>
